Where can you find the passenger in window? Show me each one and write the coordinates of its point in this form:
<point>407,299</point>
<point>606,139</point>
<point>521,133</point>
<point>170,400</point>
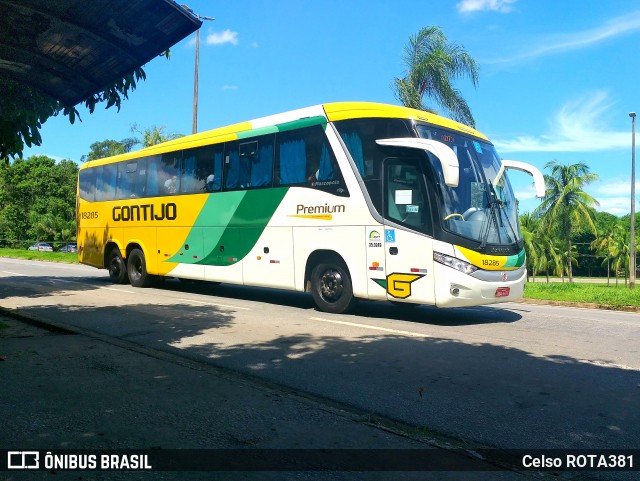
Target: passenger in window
<point>210,185</point>
<point>171,185</point>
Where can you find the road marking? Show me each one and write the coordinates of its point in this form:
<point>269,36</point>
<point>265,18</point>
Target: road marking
<point>216,304</point>
<point>14,273</point>
<point>113,289</point>
<point>374,328</point>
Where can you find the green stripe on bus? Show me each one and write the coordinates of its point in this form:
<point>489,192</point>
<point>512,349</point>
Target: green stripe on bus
<point>272,129</point>
<point>301,123</point>
<point>243,229</point>
<point>295,124</point>
<point>516,261</point>
<point>217,211</point>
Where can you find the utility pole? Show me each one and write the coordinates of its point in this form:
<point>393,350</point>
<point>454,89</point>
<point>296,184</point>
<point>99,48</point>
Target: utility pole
<point>194,128</point>
<point>632,236</point>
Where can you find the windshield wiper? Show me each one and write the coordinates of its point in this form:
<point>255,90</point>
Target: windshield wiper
<point>495,216</point>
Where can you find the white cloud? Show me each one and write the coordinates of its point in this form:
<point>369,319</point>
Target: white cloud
<point>614,194</point>
<point>220,38</point>
<point>230,87</point>
<point>469,6</point>
<point>576,40</point>
<point>577,127</point>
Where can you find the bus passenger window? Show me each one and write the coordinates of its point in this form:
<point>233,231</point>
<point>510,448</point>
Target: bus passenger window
<point>305,158</point>
<point>88,184</point>
<point>232,171</point>
<point>262,163</point>
<point>202,169</point>
<point>292,160</point>
<point>106,182</point>
<point>168,173</point>
<point>127,177</point>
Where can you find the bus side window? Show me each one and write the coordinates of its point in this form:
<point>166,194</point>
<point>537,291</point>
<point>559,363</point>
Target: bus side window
<point>106,182</point>
<point>152,189</point>
<point>262,163</point>
<point>202,169</point>
<point>127,176</point>
<point>232,175</point>
<point>139,188</point>
<point>88,184</point>
<point>292,158</point>
<point>169,173</point>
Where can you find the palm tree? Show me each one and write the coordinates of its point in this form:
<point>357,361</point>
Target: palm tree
<point>151,136</point>
<point>620,251</point>
<point>528,226</point>
<point>432,63</point>
<point>604,245</point>
<point>549,256</point>
<point>565,204</point>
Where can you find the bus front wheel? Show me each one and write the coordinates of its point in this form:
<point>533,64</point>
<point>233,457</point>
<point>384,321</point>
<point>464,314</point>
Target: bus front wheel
<point>137,269</point>
<point>331,287</point>
<point>117,267</point>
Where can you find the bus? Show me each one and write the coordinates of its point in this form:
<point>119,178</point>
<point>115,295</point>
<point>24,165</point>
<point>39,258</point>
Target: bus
<point>347,201</point>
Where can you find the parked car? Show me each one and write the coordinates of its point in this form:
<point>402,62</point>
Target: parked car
<point>71,248</point>
<point>41,246</point>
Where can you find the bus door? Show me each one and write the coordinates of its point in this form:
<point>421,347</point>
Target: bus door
<point>407,232</point>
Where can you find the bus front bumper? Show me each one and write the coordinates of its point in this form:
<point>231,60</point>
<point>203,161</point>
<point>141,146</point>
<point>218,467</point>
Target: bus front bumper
<point>456,289</point>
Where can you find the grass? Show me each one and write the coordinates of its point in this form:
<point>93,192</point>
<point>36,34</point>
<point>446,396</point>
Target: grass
<point>601,294</point>
<point>39,256</point>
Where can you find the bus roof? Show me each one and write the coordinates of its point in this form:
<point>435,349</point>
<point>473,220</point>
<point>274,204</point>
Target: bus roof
<point>306,116</point>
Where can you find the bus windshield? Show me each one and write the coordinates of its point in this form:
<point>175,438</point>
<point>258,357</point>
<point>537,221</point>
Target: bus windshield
<point>480,208</point>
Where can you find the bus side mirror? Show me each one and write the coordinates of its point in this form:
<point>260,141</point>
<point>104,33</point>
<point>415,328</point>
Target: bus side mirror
<point>538,178</point>
<point>447,157</point>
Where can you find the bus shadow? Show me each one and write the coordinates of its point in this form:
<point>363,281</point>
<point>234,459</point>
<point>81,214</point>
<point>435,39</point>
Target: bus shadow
<point>372,309</point>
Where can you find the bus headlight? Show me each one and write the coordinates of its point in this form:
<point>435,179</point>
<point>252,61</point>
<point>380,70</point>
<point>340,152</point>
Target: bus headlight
<point>456,264</point>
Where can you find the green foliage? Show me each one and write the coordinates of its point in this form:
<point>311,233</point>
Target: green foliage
<point>601,294</point>
<point>566,206</point>
<point>105,148</point>
<point>152,136</point>
<point>25,109</point>
<point>37,199</point>
<point>432,64</point>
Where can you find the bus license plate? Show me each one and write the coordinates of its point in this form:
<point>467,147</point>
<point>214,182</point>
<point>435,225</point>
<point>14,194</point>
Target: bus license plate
<point>502,291</point>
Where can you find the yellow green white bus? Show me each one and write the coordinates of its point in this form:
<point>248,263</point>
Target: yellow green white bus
<point>346,200</point>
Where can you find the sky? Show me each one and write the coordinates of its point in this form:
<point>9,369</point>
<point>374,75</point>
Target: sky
<point>557,80</point>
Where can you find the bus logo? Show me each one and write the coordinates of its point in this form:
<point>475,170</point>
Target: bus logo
<point>397,284</point>
<point>374,239</point>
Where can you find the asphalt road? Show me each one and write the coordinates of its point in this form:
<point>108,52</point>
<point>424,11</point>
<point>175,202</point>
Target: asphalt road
<point>511,376</point>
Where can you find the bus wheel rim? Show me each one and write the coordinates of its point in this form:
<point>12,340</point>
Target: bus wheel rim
<point>331,285</point>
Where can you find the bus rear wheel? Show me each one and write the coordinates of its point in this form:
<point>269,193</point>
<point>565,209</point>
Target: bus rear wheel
<point>117,267</point>
<point>137,269</point>
<point>331,287</point>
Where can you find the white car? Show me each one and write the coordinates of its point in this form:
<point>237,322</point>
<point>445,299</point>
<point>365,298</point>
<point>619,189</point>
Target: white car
<point>41,246</point>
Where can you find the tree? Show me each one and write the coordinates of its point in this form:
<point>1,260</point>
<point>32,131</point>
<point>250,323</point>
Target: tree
<point>109,148</point>
<point>605,245</point>
<point>566,205</point>
<point>432,64</point>
<point>528,226</point>
<point>153,135</point>
<point>24,110</point>
<point>620,250</point>
<point>38,199</point>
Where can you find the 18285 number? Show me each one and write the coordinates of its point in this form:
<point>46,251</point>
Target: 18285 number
<point>89,215</point>
<point>490,262</point>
